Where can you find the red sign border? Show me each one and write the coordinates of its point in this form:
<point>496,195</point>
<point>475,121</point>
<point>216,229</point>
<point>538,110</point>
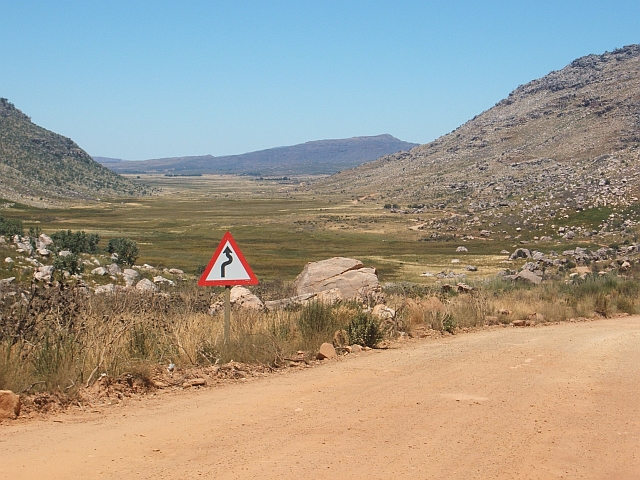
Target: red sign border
<point>252,280</point>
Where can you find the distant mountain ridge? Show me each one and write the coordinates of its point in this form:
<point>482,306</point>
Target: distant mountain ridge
<point>316,157</point>
<point>38,166</point>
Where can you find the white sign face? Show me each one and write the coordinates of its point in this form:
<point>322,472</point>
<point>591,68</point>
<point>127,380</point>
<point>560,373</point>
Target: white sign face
<point>227,266</point>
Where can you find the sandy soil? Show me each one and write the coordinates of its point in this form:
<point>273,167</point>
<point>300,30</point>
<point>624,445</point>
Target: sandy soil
<point>557,401</point>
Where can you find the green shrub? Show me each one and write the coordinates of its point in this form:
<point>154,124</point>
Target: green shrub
<point>365,330</point>
<point>76,242</point>
<point>10,227</point>
<point>449,324</point>
<point>125,248</point>
<point>316,318</point>
<point>69,263</point>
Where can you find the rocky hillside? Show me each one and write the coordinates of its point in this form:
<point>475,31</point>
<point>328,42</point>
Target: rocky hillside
<point>566,142</point>
<point>39,167</point>
<point>318,157</point>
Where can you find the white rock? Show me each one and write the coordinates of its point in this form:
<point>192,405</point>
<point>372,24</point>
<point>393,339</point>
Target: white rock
<point>8,260</point>
<point>146,285</point>
<point>43,273</point>
<point>44,241</point>
<point>176,271</point>
<point>161,279</point>
<point>114,269</point>
<point>130,276</point>
<point>43,252</point>
<point>65,253</point>
<point>462,249</point>
<point>106,289</point>
<point>7,281</point>
<point>25,247</point>
<point>99,271</point>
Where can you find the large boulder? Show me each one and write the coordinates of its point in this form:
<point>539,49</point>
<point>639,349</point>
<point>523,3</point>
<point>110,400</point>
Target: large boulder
<point>528,276</point>
<point>9,404</point>
<point>326,351</point>
<point>520,253</point>
<point>349,276</point>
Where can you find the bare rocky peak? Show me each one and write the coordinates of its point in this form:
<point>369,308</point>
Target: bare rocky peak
<point>569,140</point>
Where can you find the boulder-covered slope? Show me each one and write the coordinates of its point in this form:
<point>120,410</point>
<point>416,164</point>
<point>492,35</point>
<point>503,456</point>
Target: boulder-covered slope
<point>38,166</point>
<point>317,157</point>
<point>567,141</point>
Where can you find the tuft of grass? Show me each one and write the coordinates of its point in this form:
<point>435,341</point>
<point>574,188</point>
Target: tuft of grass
<point>365,330</point>
<point>316,318</point>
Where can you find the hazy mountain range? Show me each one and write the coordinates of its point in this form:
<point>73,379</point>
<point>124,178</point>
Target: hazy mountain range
<point>317,157</point>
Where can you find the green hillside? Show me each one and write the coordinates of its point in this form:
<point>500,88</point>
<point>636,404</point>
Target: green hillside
<point>39,167</point>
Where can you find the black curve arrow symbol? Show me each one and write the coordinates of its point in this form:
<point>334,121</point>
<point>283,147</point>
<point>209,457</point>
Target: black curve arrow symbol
<point>227,251</point>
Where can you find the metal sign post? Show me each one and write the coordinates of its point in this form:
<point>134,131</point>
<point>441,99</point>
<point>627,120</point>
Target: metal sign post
<point>227,267</point>
<point>227,313</point>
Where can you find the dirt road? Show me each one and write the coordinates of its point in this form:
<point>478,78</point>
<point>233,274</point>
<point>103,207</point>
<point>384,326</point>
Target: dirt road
<point>559,401</point>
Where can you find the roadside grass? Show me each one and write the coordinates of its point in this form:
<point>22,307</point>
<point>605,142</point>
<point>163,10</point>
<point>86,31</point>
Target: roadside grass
<point>63,339</point>
<point>47,348</point>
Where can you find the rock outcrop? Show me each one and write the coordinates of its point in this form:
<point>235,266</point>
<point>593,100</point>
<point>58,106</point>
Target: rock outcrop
<point>346,275</point>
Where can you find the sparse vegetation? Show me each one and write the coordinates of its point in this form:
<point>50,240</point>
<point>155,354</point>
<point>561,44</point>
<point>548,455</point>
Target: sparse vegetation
<point>125,249</point>
<point>364,330</point>
<point>71,264</point>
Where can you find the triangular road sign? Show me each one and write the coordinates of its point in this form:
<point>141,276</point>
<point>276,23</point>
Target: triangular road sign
<point>227,266</point>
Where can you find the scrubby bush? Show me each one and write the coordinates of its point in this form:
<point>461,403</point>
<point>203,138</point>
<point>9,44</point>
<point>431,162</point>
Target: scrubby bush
<point>69,263</point>
<point>125,248</point>
<point>76,242</point>
<point>449,324</point>
<point>316,318</point>
<point>365,330</point>
<point>10,227</point>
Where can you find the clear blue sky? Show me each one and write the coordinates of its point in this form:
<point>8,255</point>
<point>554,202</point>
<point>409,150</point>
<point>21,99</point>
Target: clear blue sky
<point>146,79</point>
